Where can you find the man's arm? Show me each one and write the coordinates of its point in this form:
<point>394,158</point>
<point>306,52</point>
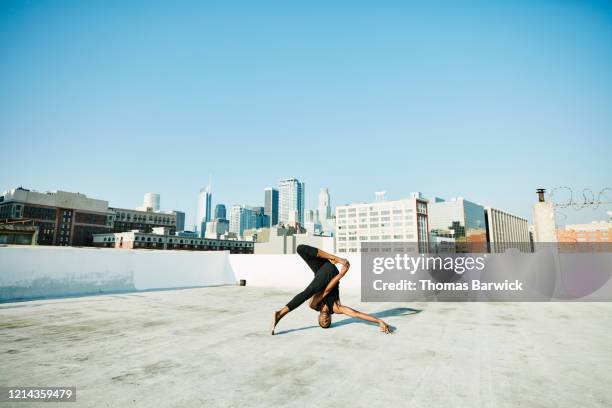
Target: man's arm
<point>384,327</point>
<point>332,258</point>
<point>332,283</point>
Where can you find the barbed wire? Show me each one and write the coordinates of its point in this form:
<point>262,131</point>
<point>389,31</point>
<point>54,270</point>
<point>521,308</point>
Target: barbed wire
<point>588,200</point>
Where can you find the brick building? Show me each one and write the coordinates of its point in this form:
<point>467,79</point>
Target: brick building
<point>62,218</point>
<point>594,232</point>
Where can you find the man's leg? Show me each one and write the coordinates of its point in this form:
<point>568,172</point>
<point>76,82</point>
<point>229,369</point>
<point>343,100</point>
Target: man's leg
<point>309,255</point>
<point>318,284</point>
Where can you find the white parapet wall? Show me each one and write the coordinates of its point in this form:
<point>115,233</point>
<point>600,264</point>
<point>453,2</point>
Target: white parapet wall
<point>29,272</point>
<point>285,271</point>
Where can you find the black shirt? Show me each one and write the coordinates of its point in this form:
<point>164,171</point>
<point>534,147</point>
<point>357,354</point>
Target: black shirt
<point>332,296</point>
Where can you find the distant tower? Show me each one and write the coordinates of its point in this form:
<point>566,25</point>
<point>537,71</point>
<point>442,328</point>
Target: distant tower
<point>271,205</point>
<point>291,201</point>
<point>204,208</point>
<point>324,206</point>
<point>151,200</point>
<point>220,212</point>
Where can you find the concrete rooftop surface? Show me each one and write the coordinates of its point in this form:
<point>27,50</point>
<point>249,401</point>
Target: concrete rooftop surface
<point>210,347</point>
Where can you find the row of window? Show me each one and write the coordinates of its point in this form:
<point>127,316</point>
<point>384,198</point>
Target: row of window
<point>143,218</point>
<point>408,218</point>
<point>353,214</point>
<point>181,241</point>
<point>381,225</point>
<point>376,237</point>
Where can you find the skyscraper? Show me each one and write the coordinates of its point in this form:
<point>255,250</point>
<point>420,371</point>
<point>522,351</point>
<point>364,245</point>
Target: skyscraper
<point>271,205</point>
<point>324,207</point>
<point>220,212</point>
<point>261,219</point>
<point>180,220</point>
<point>291,199</point>
<point>241,218</point>
<point>204,209</point>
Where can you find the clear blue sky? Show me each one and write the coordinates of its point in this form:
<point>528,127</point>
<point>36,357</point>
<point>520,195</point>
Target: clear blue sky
<point>486,100</point>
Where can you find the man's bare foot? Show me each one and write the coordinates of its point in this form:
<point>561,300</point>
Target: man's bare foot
<point>275,320</point>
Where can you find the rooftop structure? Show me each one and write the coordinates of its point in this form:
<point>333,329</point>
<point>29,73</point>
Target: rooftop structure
<point>143,240</point>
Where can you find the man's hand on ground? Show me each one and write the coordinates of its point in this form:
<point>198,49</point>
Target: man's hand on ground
<point>384,327</point>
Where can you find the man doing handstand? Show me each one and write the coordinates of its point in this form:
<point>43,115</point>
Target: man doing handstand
<point>324,290</point>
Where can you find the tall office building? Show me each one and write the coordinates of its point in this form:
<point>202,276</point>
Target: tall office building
<point>402,220</point>
<point>309,216</point>
<point>204,209</point>
<point>217,228</point>
<point>324,205</point>
<point>220,212</point>
<point>271,205</point>
<point>151,200</point>
<point>241,218</point>
<point>261,219</point>
<point>291,201</point>
<point>180,220</point>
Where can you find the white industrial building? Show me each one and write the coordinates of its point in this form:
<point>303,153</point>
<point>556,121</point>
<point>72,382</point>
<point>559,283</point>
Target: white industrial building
<point>402,220</point>
<point>505,230</point>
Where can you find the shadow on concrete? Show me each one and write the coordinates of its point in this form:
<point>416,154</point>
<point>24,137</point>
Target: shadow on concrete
<point>396,311</point>
<point>393,312</point>
<point>294,330</point>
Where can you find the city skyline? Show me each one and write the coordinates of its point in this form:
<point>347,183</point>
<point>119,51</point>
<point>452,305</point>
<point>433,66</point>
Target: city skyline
<point>485,101</point>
